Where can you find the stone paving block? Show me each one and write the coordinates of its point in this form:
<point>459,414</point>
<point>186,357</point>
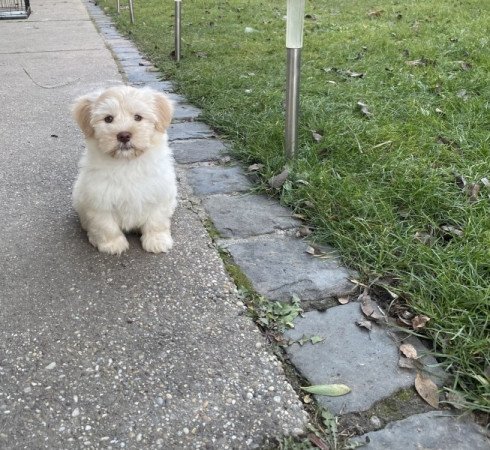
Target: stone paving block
<point>197,150</point>
<point>435,430</point>
<point>189,130</point>
<point>365,361</point>
<point>279,267</point>
<point>185,112</point>
<point>217,180</point>
<point>248,215</point>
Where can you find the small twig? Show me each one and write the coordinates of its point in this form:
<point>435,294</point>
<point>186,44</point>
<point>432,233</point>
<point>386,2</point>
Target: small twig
<point>49,87</point>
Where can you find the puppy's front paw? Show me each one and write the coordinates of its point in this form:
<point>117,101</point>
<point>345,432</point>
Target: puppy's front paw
<point>157,242</point>
<point>113,247</point>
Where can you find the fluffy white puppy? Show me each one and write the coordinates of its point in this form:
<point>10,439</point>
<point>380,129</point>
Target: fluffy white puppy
<point>127,178</point>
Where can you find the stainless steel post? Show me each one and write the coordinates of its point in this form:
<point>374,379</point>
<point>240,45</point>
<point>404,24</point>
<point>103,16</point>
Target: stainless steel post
<point>177,15</point>
<point>292,100</point>
<point>131,11</point>
<point>118,6</point>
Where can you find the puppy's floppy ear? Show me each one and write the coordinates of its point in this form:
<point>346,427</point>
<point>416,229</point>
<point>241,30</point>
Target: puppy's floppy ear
<point>82,111</point>
<point>164,111</point>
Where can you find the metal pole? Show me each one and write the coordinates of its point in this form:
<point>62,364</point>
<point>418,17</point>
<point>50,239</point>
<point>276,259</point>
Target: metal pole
<point>118,6</point>
<point>178,9</point>
<point>294,42</point>
<point>293,72</point>
<point>131,11</point>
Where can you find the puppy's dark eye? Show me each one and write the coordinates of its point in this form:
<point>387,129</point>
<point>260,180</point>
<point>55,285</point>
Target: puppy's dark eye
<point>138,118</point>
<point>108,119</point>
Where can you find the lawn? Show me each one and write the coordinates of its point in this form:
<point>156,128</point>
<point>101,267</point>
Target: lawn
<point>402,191</point>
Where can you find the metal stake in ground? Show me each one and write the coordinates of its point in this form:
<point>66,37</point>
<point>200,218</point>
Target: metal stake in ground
<point>178,7</point>
<point>118,6</point>
<point>294,42</point>
<point>131,11</point>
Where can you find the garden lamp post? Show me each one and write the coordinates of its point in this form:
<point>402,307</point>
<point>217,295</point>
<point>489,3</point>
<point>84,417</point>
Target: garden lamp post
<point>131,11</point>
<point>177,15</point>
<point>294,42</point>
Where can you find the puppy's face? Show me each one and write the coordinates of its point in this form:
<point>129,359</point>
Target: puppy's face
<point>124,121</point>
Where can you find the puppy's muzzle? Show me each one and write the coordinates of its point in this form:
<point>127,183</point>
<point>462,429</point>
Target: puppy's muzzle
<point>124,137</point>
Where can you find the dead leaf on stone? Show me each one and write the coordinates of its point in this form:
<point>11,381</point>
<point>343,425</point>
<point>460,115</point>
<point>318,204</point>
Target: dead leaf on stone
<point>307,398</point>
<point>278,180</point>
<point>409,351</point>
<point>364,109</point>
<point>369,308</point>
<point>343,300</point>
<point>317,252</point>
<point>419,322</point>
<point>303,231</point>
<point>255,167</point>
<point>363,323</point>
<point>317,137</point>
<point>427,389</point>
<point>406,363</point>
<point>316,339</point>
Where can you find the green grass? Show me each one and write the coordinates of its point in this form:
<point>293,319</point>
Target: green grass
<point>370,184</point>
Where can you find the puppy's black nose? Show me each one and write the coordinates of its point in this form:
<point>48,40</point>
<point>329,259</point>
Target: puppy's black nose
<point>124,136</point>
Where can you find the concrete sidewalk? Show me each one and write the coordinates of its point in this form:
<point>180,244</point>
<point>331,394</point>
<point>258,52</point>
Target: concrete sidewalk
<point>137,351</point>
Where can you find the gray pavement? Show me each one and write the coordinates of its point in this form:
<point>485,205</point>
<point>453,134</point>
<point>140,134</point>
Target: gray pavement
<point>146,351</point>
<point>137,351</point>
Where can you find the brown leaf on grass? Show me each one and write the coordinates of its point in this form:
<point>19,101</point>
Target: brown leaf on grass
<point>422,237</point>
<point>369,308</point>
<point>419,322</point>
<point>416,62</point>
<point>343,300</point>
<point>364,109</point>
<point>317,137</point>
<point>375,13</point>
<point>406,363</point>
<point>473,189</point>
<point>352,74</point>
<point>449,142</point>
<point>278,180</point>
<point>255,167</point>
<point>427,389</point>
<point>465,65</point>
<point>363,323</point>
<point>318,442</point>
<point>409,351</point>
<point>452,230</point>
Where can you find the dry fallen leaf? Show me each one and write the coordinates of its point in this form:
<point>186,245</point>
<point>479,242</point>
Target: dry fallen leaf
<point>307,398</point>
<point>409,351</point>
<point>363,323</point>
<point>329,390</point>
<point>316,136</point>
<point>452,230</point>
<point>303,231</point>
<point>255,167</point>
<point>364,109</point>
<point>343,300</point>
<point>369,308</point>
<point>375,13</point>
<point>278,180</point>
<point>318,442</point>
<point>419,322</point>
<point>473,189</point>
<point>406,363</point>
<point>427,389</point>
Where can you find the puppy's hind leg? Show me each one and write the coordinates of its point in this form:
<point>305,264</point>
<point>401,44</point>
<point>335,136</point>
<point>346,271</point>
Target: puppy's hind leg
<point>104,233</point>
<point>155,236</point>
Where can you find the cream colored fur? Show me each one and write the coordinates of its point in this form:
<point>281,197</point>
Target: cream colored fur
<point>126,180</point>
